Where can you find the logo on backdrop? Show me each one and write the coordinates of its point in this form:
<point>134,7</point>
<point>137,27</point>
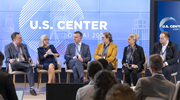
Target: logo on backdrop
<point>58,19</point>
<point>169,24</point>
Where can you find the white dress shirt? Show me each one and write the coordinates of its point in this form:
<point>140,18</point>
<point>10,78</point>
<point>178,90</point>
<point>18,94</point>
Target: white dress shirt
<point>164,55</point>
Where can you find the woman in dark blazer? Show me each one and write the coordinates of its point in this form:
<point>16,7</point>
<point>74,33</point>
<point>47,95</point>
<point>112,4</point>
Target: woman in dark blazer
<point>46,55</point>
<point>133,59</point>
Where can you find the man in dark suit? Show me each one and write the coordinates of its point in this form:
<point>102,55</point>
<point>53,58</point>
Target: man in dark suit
<point>77,55</point>
<point>18,56</point>
<point>156,85</point>
<point>170,54</point>
<point>7,89</point>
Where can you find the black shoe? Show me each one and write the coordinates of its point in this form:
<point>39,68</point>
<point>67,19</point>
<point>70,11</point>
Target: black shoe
<point>39,66</point>
<point>33,92</point>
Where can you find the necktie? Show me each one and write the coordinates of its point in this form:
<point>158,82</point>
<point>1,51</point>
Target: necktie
<point>18,53</point>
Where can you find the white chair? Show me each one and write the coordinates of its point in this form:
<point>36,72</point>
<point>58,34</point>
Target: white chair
<point>177,92</point>
<point>115,70</point>
<point>154,98</point>
<point>69,71</point>
<point>42,71</point>
<point>174,74</point>
<point>14,73</point>
<point>1,97</point>
<point>142,72</point>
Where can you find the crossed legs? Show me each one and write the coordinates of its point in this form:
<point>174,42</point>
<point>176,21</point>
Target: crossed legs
<point>51,73</point>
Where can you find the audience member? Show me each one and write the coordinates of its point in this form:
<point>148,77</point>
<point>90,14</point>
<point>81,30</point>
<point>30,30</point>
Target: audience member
<point>156,85</point>
<point>86,92</point>
<point>103,80</point>
<point>7,89</point>
<point>121,92</point>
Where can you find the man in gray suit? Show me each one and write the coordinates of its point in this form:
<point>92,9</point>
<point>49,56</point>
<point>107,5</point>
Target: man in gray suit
<point>77,55</point>
<point>156,85</point>
<point>18,56</point>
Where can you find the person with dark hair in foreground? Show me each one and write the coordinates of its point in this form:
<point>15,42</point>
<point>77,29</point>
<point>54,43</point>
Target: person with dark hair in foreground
<point>86,92</point>
<point>156,85</point>
<point>103,80</point>
<point>121,92</point>
<point>7,89</point>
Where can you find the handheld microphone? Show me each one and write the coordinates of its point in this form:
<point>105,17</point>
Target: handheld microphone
<point>99,54</point>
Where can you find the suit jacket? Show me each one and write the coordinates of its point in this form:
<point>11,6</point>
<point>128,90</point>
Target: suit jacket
<point>71,51</point>
<point>10,52</point>
<point>138,57</point>
<point>172,54</point>
<point>111,54</point>
<point>154,86</point>
<point>86,92</point>
<point>7,89</point>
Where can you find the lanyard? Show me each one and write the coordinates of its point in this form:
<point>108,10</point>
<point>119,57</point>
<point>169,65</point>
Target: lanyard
<point>104,50</point>
<point>162,53</point>
<point>77,49</point>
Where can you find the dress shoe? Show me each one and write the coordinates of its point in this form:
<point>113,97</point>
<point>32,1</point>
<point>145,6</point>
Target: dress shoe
<point>39,66</point>
<point>33,92</point>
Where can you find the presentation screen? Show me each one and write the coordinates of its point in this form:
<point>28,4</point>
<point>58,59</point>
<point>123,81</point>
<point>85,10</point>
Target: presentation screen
<point>59,19</point>
<point>169,20</point>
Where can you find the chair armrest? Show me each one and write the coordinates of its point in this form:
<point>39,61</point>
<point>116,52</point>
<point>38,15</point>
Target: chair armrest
<point>145,65</point>
<point>9,68</point>
<point>58,64</point>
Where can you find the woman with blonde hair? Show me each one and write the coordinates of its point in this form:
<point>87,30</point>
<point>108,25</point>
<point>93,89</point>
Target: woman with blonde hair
<point>107,50</point>
<point>133,59</point>
<point>46,55</point>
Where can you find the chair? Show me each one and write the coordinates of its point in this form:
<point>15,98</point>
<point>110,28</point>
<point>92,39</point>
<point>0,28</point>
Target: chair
<point>1,97</point>
<point>69,71</point>
<point>142,72</point>
<point>42,71</point>
<point>154,98</point>
<point>115,70</point>
<point>177,92</point>
<point>14,73</point>
<point>174,74</point>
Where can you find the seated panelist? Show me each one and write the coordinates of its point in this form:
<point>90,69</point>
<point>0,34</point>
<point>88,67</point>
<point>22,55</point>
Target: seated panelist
<point>133,59</point>
<point>18,56</point>
<point>107,50</point>
<point>77,56</point>
<point>46,55</point>
<point>169,52</point>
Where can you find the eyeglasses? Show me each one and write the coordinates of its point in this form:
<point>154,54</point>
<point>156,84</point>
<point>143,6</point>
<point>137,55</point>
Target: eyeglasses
<point>102,37</point>
<point>46,39</point>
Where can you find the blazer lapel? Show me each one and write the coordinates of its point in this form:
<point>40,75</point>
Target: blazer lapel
<point>168,47</point>
<point>13,49</point>
<point>81,50</point>
<point>102,47</point>
<point>74,49</point>
<point>109,49</point>
<point>135,51</point>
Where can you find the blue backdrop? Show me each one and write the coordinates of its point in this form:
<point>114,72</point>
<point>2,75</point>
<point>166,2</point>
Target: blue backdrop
<point>169,19</point>
<point>60,18</point>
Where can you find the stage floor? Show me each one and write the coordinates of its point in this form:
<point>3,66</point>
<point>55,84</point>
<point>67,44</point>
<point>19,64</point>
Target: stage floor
<point>27,96</point>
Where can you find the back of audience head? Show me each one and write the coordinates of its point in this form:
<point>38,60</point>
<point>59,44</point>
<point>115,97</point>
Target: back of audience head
<point>155,63</point>
<point>1,59</point>
<point>103,80</point>
<point>104,62</point>
<point>93,68</point>
<point>121,92</point>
